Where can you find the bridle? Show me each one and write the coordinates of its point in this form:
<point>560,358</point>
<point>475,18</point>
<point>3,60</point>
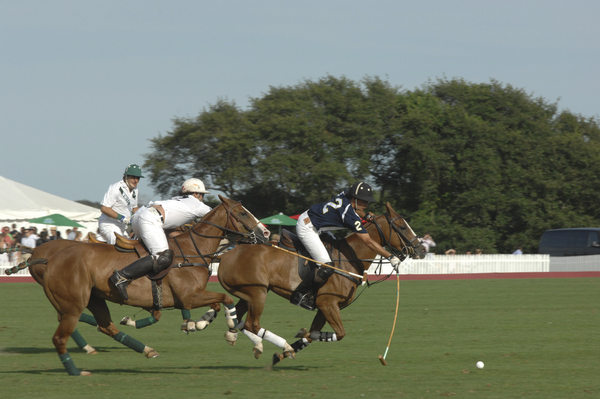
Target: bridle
<point>408,246</point>
<point>241,237</point>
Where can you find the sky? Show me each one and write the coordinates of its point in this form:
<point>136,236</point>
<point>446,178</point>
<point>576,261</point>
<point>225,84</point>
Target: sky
<point>84,85</point>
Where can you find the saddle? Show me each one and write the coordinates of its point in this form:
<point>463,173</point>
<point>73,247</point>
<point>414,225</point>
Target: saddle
<point>291,242</point>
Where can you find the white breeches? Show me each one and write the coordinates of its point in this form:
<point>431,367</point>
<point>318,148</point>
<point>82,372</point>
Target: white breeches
<point>108,230</point>
<point>310,238</point>
<point>148,227</point>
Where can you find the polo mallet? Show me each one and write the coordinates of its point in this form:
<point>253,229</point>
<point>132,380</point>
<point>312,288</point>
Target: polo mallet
<point>382,358</point>
<point>363,278</point>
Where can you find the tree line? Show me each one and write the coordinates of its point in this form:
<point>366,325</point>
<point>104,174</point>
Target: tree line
<point>476,165</point>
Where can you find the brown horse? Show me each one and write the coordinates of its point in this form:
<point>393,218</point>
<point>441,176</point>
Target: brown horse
<point>249,272</point>
<point>76,277</point>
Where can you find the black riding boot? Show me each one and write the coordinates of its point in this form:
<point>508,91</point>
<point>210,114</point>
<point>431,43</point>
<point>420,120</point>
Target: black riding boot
<point>139,268</point>
<point>122,278</point>
<point>304,295</point>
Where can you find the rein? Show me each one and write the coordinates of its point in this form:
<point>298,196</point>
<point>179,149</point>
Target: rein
<point>241,238</point>
<point>402,254</point>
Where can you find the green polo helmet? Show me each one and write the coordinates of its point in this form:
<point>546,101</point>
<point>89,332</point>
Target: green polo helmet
<point>133,170</point>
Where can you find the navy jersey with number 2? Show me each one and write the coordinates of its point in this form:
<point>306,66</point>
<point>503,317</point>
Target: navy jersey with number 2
<point>336,213</point>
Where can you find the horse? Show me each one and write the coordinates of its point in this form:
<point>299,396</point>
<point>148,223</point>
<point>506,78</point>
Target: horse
<point>249,272</point>
<point>77,277</point>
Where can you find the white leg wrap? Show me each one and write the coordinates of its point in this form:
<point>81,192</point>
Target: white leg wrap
<point>256,340</point>
<point>205,320</point>
<point>272,338</point>
<point>231,316</point>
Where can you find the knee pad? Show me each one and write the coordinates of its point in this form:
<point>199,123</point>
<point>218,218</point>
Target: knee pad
<point>165,258</point>
<point>325,272</point>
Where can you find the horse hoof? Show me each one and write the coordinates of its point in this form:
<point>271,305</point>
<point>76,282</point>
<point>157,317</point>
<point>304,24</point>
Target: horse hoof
<point>277,357</point>
<point>257,350</point>
<point>85,374</point>
<point>302,333</point>
<point>150,353</point>
<point>289,352</point>
<point>127,321</point>
<point>231,337</point>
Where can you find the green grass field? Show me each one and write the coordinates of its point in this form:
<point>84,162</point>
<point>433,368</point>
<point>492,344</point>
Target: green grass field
<point>537,337</point>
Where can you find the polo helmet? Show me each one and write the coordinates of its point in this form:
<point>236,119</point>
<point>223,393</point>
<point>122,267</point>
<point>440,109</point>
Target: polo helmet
<point>133,170</point>
<point>361,190</point>
<point>193,186</point>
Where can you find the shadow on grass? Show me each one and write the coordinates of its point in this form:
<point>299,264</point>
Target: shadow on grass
<point>162,370</point>
<point>36,351</point>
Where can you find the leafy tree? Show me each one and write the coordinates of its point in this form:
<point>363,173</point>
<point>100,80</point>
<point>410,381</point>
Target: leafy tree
<point>489,166</point>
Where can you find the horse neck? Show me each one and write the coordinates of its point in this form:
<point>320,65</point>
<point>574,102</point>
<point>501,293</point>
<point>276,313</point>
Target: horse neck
<point>217,217</point>
<point>360,250</point>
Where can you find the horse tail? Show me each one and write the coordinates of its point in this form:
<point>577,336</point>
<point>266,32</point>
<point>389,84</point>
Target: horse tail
<point>37,267</point>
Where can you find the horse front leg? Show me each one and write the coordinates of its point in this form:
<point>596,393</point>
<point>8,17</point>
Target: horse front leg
<point>66,327</point>
<point>100,311</point>
<point>255,332</point>
<point>304,335</point>
<point>232,334</point>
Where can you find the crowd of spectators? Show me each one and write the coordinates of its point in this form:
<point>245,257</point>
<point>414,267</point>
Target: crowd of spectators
<point>12,239</point>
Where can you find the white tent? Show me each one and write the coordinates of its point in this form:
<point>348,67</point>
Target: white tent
<point>20,203</point>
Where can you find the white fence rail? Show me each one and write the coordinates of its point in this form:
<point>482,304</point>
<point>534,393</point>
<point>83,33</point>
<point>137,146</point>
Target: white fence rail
<point>460,264</point>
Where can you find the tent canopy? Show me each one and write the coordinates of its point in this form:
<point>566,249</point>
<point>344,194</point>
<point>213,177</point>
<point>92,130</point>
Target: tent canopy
<point>56,219</point>
<point>279,220</point>
<point>20,203</point>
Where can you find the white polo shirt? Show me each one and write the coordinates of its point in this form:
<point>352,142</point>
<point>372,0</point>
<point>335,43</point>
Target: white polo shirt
<point>182,210</point>
<point>120,199</point>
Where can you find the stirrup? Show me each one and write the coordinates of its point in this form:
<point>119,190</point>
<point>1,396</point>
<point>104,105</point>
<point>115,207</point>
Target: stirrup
<point>121,283</point>
<point>304,300</point>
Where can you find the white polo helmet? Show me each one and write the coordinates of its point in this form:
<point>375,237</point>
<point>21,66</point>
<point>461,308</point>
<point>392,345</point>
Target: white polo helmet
<point>194,186</point>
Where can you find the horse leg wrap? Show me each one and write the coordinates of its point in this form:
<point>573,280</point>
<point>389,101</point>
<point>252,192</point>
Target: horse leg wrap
<point>272,338</point>
<point>323,336</point>
<point>89,319</point>
<point>129,342</point>
<point>79,340</point>
<point>231,316</point>
<point>205,320</point>
<point>148,321</point>
<point>256,340</point>
<point>186,314</point>
<point>69,365</point>
<point>300,344</point>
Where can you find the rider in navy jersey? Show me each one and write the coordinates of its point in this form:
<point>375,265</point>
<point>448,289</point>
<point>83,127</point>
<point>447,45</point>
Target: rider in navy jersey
<point>339,212</point>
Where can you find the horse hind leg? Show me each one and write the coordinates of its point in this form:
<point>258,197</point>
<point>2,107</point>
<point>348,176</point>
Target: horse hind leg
<point>100,311</point>
<point>65,329</point>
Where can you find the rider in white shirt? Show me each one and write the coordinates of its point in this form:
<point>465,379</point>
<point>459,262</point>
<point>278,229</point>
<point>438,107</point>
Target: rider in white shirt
<point>149,224</point>
<point>119,203</point>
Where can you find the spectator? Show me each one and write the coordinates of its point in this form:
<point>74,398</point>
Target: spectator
<point>7,237</point>
<point>78,236</point>
<point>519,251</point>
<point>428,242</point>
<point>53,235</point>
<point>28,239</point>
<point>478,251</point>
<point>42,239</point>
<point>450,252</point>
<point>68,233</point>
<point>72,234</point>
<point>34,233</point>
<point>14,230</point>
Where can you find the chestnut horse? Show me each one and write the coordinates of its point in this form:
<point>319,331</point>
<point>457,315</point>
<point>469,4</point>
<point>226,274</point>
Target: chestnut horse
<point>76,277</point>
<point>249,272</point>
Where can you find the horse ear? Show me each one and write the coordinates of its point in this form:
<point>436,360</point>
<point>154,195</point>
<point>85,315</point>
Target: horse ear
<point>222,198</point>
<point>389,208</point>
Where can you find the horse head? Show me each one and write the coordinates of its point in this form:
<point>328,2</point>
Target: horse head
<point>400,235</point>
<point>231,217</point>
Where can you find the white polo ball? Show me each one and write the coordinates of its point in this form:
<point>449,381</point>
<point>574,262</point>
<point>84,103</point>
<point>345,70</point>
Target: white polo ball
<point>480,365</point>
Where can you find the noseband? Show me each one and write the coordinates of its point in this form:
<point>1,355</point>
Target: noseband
<point>406,250</point>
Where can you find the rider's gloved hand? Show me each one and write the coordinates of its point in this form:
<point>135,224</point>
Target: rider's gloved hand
<point>124,219</point>
<point>395,262</point>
